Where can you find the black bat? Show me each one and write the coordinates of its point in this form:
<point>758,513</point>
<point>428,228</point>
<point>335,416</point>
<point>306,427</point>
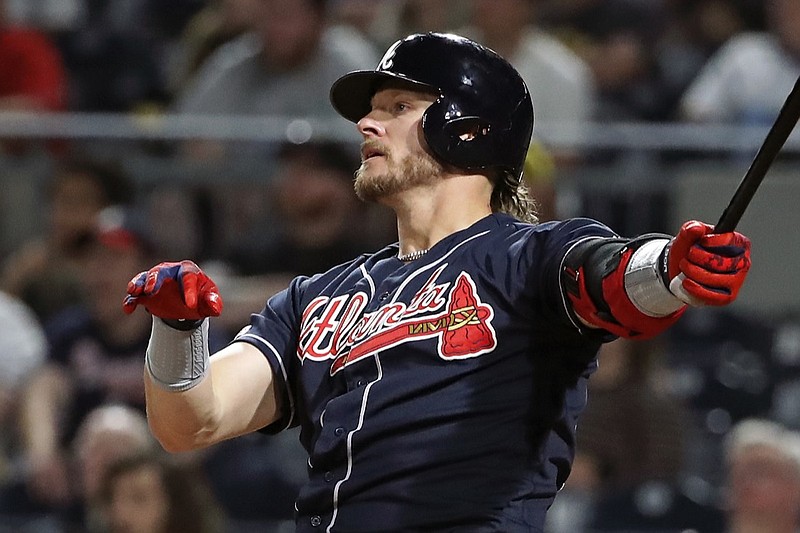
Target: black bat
<point>780,131</point>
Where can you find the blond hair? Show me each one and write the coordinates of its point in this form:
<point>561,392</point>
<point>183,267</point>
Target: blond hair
<point>513,197</point>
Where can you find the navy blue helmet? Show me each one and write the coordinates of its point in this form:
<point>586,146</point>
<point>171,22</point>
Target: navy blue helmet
<point>479,92</point>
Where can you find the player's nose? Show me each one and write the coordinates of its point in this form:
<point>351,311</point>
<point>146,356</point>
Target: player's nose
<point>370,127</point>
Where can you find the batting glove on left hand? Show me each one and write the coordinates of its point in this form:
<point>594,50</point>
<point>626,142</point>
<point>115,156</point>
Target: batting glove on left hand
<point>177,291</point>
<point>707,268</point>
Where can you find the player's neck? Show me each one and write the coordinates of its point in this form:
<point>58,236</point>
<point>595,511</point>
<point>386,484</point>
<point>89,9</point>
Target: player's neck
<point>427,215</point>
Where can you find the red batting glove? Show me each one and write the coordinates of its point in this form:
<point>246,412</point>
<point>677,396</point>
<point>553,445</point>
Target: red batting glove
<point>174,291</point>
<point>713,265</point>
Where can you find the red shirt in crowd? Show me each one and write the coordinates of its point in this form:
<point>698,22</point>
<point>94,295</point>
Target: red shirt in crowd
<point>31,67</point>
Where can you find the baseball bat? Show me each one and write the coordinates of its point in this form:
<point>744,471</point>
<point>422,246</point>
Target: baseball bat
<point>774,141</point>
<point>776,137</point>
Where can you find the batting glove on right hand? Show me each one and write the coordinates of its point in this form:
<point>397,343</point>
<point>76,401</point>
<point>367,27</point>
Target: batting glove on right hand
<point>174,291</point>
<point>707,268</point>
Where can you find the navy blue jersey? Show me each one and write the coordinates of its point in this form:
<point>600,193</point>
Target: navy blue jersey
<point>439,394</point>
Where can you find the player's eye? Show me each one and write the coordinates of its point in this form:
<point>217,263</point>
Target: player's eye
<point>400,107</point>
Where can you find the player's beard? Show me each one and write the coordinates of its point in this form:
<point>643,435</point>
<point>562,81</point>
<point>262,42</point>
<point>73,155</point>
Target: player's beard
<point>414,170</point>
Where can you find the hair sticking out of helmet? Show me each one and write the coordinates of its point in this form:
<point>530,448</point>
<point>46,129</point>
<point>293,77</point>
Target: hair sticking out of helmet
<point>483,117</point>
<point>513,197</point>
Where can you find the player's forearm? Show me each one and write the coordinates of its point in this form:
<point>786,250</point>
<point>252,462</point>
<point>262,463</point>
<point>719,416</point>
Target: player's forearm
<point>236,397</point>
<point>182,409</point>
<point>185,420</point>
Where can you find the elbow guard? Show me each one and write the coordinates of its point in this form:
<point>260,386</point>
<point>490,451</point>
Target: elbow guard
<point>619,285</point>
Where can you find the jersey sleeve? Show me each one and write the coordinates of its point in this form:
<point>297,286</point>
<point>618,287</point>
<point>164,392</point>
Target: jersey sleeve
<point>547,253</point>
<point>274,331</point>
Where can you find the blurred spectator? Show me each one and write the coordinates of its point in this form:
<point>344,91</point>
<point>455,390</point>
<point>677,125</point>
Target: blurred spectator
<point>44,272</point>
<point>219,22</point>
<point>382,22</point>
<point>377,20</point>
<point>320,219</point>
<point>616,38</point>
<point>762,459</point>
<point>180,222</point>
<point>560,82</point>
<point>32,76</point>
<point>418,16</point>
<point>23,347</point>
<point>694,32</point>
<point>108,433</point>
<point>747,80</point>
<point>51,16</point>
<point>150,493</point>
<point>282,67</point>
<point>632,430</point>
<point>95,354</point>
<point>114,59</point>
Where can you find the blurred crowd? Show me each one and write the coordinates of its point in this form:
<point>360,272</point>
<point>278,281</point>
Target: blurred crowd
<point>697,430</point>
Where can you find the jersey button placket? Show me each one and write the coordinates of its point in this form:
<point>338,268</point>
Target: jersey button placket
<point>338,431</point>
<point>316,521</point>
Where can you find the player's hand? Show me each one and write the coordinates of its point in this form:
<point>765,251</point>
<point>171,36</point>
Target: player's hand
<point>707,268</point>
<point>174,291</point>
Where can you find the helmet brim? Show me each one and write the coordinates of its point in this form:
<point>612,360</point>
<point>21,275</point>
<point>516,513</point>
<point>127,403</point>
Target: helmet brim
<point>351,95</point>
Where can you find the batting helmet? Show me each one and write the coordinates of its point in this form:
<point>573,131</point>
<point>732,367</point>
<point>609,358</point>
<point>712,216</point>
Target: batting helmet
<point>483,117</point>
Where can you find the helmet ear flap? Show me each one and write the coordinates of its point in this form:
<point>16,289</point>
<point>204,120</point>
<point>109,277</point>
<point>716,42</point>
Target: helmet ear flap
<point>462,141</point>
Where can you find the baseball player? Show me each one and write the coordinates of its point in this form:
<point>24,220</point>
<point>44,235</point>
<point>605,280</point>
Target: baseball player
<point>438,381</point>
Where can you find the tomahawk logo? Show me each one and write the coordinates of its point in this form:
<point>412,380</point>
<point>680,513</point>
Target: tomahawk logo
<point>337,328</point>
<point>387,61</point>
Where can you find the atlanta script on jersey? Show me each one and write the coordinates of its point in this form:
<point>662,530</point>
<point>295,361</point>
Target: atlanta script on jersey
<point>438,394</point>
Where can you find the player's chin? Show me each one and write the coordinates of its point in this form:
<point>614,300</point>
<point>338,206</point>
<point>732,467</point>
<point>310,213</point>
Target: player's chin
<point>365,190</point>
<point>369,187</point>
<point>369,173</point>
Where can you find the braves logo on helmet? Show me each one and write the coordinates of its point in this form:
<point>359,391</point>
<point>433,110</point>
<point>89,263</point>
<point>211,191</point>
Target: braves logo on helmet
<point>387,61</point>
<point>339,330</point>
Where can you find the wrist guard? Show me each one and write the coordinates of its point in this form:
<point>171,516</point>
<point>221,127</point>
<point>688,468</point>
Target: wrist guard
<point>177,355</point>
